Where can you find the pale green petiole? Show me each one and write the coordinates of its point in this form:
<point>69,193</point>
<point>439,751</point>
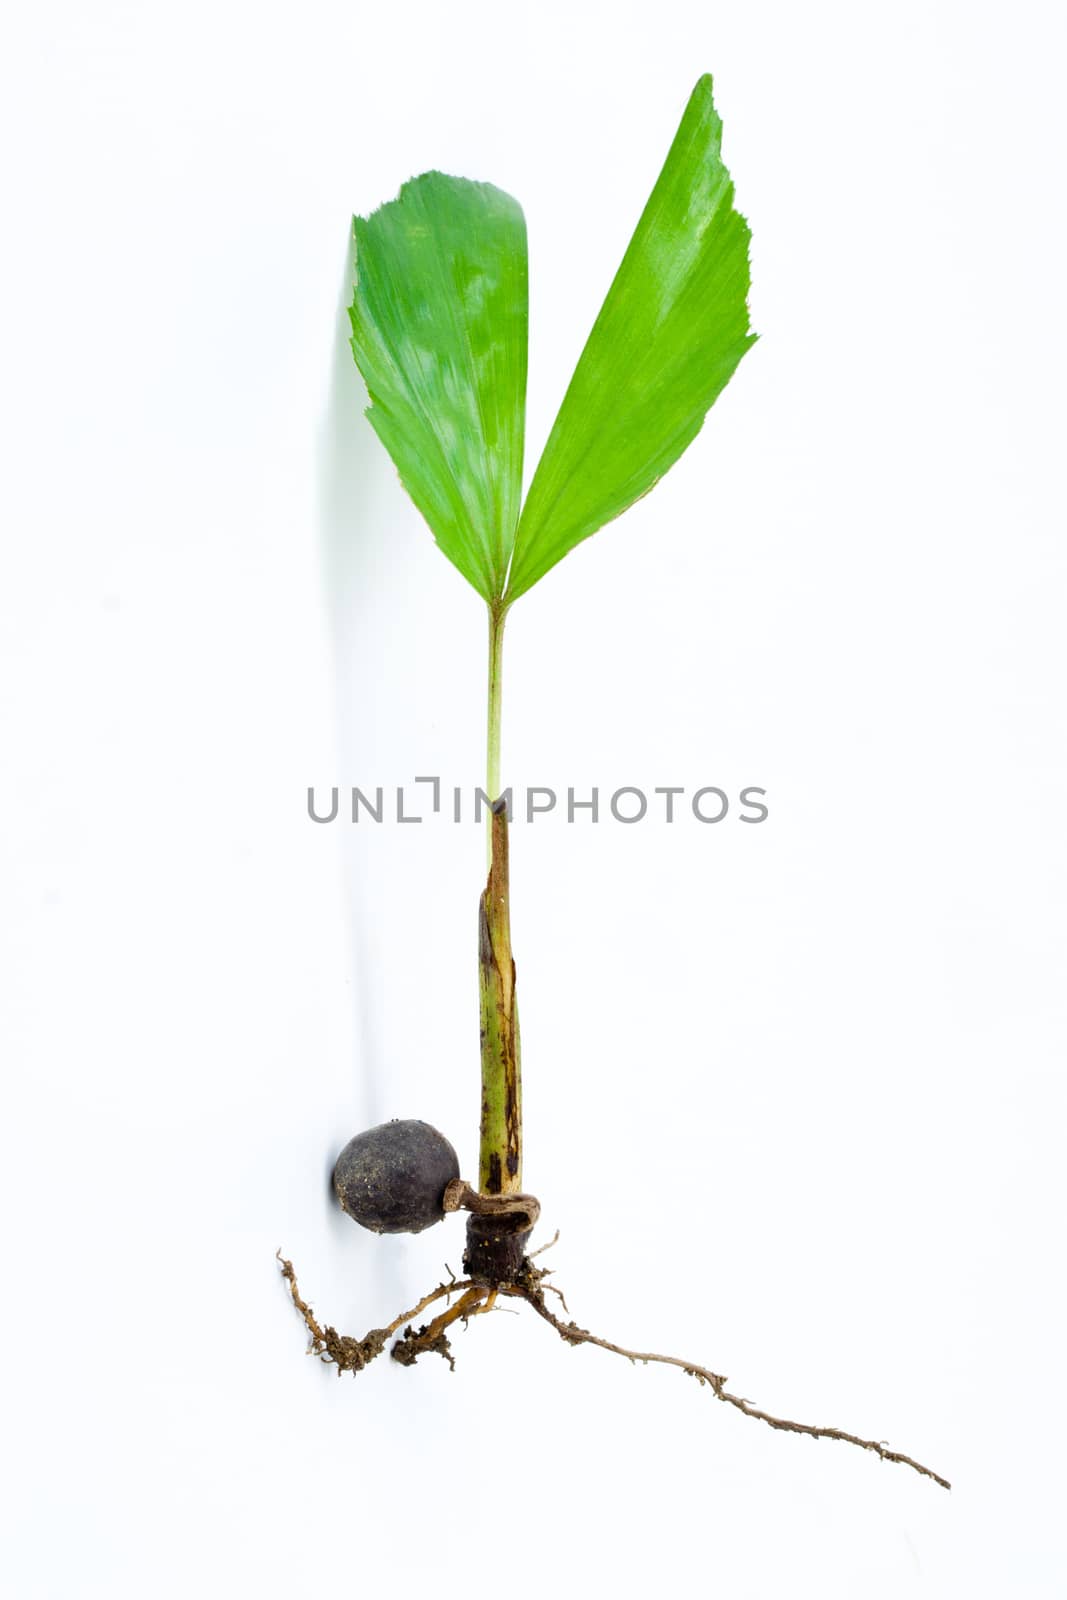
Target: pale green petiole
<point>497,616</point>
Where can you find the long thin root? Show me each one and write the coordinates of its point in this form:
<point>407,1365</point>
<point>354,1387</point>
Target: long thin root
<point>532,1292</point>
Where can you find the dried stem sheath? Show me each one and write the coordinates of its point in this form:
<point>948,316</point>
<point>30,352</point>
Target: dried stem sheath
<point>500,1158</point>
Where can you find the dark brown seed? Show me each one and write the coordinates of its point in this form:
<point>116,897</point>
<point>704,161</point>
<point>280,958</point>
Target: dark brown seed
<point>392,1178</point>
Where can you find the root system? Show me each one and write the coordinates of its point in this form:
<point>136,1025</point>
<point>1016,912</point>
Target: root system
<point>468,1297</point>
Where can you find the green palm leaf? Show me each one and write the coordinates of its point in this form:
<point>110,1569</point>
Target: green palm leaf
<point>669,335</point>
<point>439,332</point>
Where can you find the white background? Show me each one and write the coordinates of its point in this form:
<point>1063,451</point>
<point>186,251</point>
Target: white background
<point>794,1092</point>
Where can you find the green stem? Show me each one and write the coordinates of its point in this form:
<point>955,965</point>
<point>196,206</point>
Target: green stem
<point>497,614</point>
<point>500,1156</point>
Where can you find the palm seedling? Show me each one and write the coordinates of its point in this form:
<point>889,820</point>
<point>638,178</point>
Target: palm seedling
<point>439,334</point>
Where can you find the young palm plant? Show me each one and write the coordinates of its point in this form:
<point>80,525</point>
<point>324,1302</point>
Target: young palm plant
<point>439,334</point>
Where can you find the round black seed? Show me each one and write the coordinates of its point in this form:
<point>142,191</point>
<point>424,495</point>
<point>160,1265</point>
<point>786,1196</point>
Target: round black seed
<point>392,1178</point>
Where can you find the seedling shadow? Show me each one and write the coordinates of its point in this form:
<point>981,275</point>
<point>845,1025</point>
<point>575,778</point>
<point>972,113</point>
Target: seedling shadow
<point>353,473</point>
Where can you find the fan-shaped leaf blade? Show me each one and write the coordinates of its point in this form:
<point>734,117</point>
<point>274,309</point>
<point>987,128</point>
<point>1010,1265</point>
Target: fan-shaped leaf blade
<point>439,332</point>
<point>667,340</point>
